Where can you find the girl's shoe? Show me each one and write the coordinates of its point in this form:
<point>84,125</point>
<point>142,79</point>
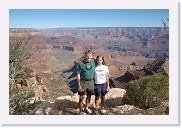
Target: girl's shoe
<point>80,113</point>
<point>103,111</point>
<point>96,111</point>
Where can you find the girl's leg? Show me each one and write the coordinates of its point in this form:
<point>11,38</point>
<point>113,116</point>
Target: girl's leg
<point>102,110</point>
<point>97,101</point>
<point>103,93</point>
<point>102,101</point>
<point>97,98</point>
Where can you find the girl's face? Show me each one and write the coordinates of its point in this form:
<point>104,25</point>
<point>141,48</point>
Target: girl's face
<point>99,61</point>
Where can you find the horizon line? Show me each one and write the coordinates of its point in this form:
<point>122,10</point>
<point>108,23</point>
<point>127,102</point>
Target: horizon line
<point>78,27</point>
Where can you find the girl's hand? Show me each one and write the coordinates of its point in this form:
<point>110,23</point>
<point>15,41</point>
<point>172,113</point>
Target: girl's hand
<point>108,88</point>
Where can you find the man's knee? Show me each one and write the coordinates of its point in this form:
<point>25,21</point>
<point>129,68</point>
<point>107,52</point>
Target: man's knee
<point>90,92</point>
<point>97,97</point>
<point>81,98</point>
<point>81,93</point>
<point>88,95</point>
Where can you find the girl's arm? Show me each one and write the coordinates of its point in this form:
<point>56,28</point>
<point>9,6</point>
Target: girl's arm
<point>107,81</point>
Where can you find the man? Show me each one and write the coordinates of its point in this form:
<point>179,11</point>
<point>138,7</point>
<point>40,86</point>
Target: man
<point>85,75</point>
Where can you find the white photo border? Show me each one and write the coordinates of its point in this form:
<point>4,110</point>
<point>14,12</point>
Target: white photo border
<point>171,119</point>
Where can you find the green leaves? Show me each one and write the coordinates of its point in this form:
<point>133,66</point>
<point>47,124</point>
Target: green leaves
<point>166,24</point>
<point>19,101</point>
<point>17,53</point>
<point>148,91</point>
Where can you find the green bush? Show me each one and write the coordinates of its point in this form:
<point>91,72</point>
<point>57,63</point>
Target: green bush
<point>19,98</point>
<point>148,91</point>
<point>17,54</point>
<point>19,101</point>
<point>38,78</point>
<point>155,67</point>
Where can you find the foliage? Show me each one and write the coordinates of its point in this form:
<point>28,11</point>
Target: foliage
<point>38,78</point>
<point>17,54</point>
<point>19,101</point>
<point>155,67</point>
<point>148,91</point>
<point>162,109</point>
<point>166,24</point>
<point>24,74</point>
<point>19,98</point>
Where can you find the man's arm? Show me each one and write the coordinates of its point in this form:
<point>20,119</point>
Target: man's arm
<point>93,57</point>
<point>79,83</point>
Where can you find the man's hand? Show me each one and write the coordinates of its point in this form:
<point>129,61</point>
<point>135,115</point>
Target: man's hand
<point>79,88</point>
<point>79,85</point>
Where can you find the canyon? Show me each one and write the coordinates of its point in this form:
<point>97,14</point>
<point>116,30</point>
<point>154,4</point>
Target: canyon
<point>56,52</point>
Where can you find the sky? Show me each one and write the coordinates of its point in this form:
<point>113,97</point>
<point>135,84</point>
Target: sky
<point>63,18</point>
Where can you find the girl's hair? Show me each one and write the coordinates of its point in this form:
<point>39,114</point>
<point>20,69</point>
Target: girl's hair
<point>99,56</point>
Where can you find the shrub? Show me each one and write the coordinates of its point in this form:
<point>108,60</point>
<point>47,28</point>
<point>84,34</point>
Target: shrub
<point>38,78</point>
<point>155,67</point>
<point>19,98</point>
<point>19,101</point>
<point>148,91</point>
<point>17,54</point>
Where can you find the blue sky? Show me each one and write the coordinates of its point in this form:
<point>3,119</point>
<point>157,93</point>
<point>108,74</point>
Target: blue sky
<point>58,18</point>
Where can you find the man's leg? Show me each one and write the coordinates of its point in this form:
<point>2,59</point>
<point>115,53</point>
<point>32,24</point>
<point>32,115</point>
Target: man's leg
<point>88,98</point>
<point>89,92</point>
<point>87,110</point>
<point>81,98</point>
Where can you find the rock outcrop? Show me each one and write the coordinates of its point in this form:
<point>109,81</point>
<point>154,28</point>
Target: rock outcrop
<point>68,105</point>
<point>157,66</point>
<point>41,91</point>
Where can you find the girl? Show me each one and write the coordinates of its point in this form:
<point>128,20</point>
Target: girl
<point>101,86</point>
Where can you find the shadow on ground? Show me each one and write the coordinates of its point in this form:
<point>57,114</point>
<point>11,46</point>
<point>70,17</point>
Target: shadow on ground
<point>113,102</point>
<point>61,107</point>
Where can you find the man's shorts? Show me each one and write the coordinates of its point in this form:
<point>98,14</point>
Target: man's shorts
<point>87,87</point>
<point>100,89</point>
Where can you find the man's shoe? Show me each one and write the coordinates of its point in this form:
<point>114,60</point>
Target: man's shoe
<point>88,111</point>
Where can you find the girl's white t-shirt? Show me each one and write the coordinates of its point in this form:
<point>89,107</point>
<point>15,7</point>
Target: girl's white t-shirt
<point>100,74</point>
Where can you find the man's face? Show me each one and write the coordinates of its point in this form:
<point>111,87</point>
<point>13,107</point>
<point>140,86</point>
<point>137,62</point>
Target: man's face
<point>88,57</point>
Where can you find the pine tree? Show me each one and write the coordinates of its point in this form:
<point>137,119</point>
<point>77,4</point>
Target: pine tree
<point>17,54</point>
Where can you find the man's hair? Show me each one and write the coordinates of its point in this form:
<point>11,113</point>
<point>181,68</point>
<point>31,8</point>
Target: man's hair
<point>88,51</point>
